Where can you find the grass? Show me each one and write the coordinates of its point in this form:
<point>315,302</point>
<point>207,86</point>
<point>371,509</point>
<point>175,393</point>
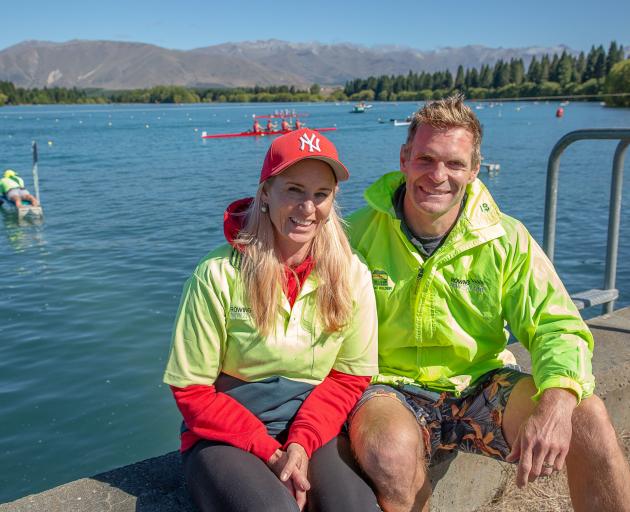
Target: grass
<point>547,494</point>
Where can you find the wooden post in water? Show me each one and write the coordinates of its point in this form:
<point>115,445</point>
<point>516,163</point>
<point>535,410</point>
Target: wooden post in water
<point>35,175</point>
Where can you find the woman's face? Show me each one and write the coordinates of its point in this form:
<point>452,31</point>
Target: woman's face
<point>299,200</point>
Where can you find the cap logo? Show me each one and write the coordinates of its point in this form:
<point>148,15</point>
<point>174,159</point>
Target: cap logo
<point>312,143</point>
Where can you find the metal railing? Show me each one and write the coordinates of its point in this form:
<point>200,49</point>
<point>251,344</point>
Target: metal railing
<point>609,293</point>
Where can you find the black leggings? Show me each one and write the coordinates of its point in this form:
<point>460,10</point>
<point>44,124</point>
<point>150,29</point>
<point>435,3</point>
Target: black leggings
<point>221,478</point>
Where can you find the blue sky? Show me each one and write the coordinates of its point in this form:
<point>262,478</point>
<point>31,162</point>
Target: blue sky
<point>419,24</point>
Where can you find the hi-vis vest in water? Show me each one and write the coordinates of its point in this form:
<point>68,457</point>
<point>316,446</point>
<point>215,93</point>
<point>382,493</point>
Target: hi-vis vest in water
<point>7,184</point>
<point>443,319</point>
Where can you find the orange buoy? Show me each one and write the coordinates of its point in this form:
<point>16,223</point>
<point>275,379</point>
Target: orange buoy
<point>559,112</point>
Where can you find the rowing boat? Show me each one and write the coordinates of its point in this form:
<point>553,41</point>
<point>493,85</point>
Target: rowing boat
<point>206,135</point>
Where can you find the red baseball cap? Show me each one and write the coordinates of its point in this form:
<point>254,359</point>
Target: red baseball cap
<point>300,145</point>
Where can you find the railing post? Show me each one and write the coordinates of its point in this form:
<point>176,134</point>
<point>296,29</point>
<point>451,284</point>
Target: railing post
<point>551,199</point>
<point>609,293</point>
<point>614,217</point>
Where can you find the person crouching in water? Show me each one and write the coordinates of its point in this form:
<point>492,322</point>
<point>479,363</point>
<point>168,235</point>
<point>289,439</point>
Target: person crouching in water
<point>12,188</point>
<point>273,344</point>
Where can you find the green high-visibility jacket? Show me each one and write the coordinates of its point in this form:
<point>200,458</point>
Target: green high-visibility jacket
<point>443,319</point>
<point>7,184</point>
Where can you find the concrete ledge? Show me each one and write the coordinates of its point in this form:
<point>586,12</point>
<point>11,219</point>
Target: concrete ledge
<point>462,482</point>
<point>153,485</point>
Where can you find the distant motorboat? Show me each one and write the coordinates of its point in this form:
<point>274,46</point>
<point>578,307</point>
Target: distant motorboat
<point>360,108</point>
<point>402,122</point>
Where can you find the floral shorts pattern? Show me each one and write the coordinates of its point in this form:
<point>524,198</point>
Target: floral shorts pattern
<point>471,422</point>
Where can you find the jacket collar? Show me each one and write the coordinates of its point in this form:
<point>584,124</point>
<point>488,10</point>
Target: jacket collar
<point>480,210</point>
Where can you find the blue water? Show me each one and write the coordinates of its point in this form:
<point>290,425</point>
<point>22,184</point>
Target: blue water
<point>133,198</point>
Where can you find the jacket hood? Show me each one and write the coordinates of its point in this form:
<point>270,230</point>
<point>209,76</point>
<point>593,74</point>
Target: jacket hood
<point>234,218</point>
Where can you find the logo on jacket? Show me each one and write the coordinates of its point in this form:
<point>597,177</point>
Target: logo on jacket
<point>472,285</point>
<point>312,142</point>
<point>380,280</point>
<point>240,312</point>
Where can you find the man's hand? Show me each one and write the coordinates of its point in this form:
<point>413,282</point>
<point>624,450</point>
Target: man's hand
<point>291,467</point>
<point>543,440</point>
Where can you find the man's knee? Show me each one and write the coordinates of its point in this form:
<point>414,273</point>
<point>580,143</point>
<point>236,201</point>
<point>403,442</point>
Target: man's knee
<point>592,429</point>
<point>386,438</point>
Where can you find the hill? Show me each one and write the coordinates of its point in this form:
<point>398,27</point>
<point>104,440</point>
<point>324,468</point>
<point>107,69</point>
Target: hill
<point>122,65</point>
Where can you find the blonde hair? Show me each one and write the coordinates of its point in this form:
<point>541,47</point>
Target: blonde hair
<point>446,113</point>
<point>264,276</point>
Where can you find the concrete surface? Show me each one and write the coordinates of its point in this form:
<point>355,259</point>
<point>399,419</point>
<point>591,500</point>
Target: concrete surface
<point>462,482</point>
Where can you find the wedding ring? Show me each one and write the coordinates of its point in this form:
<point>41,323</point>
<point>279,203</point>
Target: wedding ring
<point>546,465</point>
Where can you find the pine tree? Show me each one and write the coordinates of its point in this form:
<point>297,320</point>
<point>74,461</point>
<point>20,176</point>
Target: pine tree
<point>579,69</point>
<point>474,78</point>
<point>544,68</point>
<point>615,54</point>
<point>553,68</point>
<point>600,63</point>
<point>448,80</point>
<point>485,77</point>
<point>501,74</point>
<point>459,78</point>
<point>591,59</point>
<point>517,71</point>
<point>534,71</point>
<point>564,72</point>
<point>426,81</point>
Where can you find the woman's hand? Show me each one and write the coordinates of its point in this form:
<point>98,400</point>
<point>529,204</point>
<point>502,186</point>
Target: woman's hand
<point>291,467</point>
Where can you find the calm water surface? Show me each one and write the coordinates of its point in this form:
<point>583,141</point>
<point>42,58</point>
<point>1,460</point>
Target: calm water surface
<point>134,197</point>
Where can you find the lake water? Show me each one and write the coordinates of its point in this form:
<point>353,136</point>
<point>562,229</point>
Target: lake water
<point>133,198</point>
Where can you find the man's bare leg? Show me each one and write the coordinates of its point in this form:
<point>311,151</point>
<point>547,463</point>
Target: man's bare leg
<point>598,474</point>
<point>388,445</point>
<point>32,199</point>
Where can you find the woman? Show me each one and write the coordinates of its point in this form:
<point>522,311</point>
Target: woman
<point>274,342</point>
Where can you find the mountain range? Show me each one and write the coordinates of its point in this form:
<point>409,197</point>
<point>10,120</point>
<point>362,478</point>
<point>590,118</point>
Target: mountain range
<point>123,65</point>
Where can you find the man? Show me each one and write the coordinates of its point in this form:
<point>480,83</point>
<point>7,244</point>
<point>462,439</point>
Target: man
<point>449,272</point>
<point>12,188</point>
<point>256,128</point>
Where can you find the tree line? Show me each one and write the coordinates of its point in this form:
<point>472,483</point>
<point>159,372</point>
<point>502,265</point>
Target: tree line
<point>558,75</point>
<point>12,95</point>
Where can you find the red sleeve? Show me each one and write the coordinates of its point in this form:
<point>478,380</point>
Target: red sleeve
<point>218,417</point>
<point>324,411</point>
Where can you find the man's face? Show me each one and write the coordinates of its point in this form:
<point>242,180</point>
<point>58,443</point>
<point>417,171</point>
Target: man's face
<point>437,164</point>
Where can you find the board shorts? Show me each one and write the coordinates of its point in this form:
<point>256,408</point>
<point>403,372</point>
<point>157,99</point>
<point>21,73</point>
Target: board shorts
<point>471,422</point>
<point>14,193</point>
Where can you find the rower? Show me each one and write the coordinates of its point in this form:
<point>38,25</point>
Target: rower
<point>12,188</point>
<point>271,126</point>
<point>256,128</point>
<point>298,124</point>
<point>285,126</point>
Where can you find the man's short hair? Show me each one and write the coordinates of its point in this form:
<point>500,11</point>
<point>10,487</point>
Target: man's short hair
<point>447,113</point>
